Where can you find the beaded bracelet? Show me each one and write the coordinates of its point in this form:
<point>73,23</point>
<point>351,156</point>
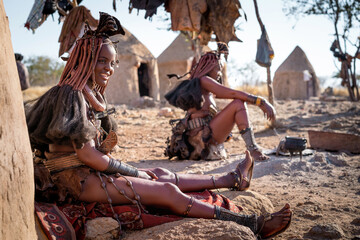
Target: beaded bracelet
<point>259,101</point>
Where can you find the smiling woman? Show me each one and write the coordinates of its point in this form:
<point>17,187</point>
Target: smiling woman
<point>105,65</point>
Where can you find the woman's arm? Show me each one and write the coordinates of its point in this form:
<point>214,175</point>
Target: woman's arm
<point>95,159</point>
<point>223,92</point>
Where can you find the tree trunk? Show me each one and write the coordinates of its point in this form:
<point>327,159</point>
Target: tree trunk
<point>269,81</point>
<point>16,166</point>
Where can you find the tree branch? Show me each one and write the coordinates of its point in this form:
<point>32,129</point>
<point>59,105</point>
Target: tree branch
<point>257,15</point>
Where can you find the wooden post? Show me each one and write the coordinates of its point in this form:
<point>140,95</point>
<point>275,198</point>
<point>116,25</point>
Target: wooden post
<point>269,81</point>
<point>16,165</point>
<point>270,86</point>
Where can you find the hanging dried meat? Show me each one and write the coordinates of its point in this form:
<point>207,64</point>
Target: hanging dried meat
<point>72,26</point>
<point>186,15</point>
<point>221,17</point>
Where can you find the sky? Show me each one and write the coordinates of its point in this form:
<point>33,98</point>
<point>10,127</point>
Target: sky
<point>314,34</point>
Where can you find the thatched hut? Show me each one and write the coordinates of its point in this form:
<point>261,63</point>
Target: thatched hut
<point>295,78</point>
<point>177,58</point>
<point>136,74</point>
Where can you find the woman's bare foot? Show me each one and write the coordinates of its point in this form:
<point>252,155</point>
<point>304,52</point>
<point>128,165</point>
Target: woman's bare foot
<point>243,173</point>
<point>277,224</point>
<point>258,155</point>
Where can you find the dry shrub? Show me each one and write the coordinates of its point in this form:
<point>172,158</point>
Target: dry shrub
<point>341,92</point>
<point>260,90</point>
<point>34,92</point>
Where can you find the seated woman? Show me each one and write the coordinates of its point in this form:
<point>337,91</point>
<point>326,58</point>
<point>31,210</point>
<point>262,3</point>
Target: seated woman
<point>203,130</point>
<point>70,127</point>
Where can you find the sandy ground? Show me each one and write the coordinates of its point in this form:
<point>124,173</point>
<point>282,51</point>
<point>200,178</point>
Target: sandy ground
<point>322,188</point>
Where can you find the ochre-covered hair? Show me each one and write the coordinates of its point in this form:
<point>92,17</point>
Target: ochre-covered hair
<point>208,61</point>
<point>81,64</point>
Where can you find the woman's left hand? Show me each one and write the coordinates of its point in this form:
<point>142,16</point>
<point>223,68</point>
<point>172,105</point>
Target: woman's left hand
<point>147,174</point>
<point>268,109</point>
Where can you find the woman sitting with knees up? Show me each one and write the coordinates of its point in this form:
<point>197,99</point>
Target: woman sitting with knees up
<point>201,134</point>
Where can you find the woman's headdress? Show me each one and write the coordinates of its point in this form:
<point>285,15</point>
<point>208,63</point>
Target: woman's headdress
<point>222,49</point>
<point>81,64</point>
<point>206,62</point>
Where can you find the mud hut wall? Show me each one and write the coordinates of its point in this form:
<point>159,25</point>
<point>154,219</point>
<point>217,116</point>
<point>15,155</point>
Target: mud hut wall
<point>290,85</point>
<point>16,167</point>
<point>123,86</point>
<point>176,67</point>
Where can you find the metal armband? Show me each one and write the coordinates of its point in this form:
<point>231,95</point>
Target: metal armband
<point>251,99</point>
<point>116,166</point>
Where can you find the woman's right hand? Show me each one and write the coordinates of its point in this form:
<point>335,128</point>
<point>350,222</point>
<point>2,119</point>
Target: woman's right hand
<point>268,109</point>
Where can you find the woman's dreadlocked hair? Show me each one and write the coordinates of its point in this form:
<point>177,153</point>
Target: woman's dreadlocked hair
<point>81,64</point>
<point>206,62</point>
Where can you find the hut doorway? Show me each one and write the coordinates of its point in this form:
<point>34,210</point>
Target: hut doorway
<point>144,81</point>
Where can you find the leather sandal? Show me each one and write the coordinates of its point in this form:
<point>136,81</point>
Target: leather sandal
<point>268,217</point>
<point>240,179</point>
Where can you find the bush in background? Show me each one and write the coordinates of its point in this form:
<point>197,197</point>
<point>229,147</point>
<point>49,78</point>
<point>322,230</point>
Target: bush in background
<point>43,71</point>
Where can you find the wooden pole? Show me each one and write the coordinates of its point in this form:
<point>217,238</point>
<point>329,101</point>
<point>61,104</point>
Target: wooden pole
<point>269,81</point>
<point>270,86</point>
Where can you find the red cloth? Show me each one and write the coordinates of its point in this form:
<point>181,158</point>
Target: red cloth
<point>54,222</point>
<point>70,217</point>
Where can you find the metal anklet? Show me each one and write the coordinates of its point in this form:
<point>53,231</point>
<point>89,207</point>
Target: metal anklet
<point>248,136</point>
<point>213,180</point>
<point>176,179</point>
<point>189,206</point>
<point>223,214</point>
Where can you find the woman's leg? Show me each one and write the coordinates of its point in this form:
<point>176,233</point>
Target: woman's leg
<point>151,193</point>
<point>222,124</point>
<point>169,196</point>
<point>197,182</point>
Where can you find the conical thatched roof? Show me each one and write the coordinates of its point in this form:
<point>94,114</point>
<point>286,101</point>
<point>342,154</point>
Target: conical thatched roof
<point>296,62</point>
<point>129,45</point>
<point>179,50</point>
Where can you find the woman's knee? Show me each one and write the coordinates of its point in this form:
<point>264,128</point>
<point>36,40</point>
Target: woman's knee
<point>172,192</point>
<point>238,104</point>
<point>162,172</point>
<point>174,198</point>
